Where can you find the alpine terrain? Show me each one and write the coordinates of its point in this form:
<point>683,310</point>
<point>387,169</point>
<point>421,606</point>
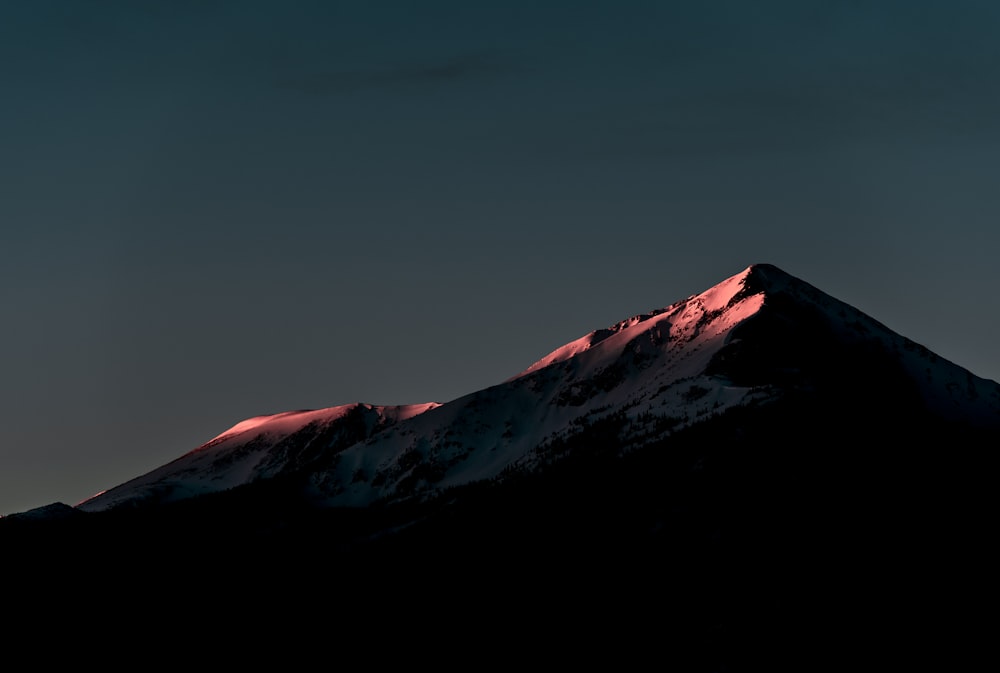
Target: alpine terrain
<point>757,464</point>
<point>756,338</point>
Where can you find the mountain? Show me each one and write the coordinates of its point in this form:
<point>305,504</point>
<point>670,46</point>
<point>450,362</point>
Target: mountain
<point>259,448</point>
<point>755,338</point>
<point>749,473</point>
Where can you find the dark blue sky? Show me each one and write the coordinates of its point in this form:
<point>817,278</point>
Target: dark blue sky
<point>213,210</point>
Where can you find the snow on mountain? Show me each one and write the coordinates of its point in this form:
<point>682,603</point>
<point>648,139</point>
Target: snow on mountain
<point>257,448</point>
<point>745,341</point>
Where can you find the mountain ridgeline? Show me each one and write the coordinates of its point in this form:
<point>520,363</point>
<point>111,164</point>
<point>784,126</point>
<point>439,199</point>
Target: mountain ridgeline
<point>725,450</point>
<point>758,338</point>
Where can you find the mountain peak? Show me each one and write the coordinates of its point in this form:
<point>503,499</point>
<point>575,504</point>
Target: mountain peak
<point>768,277</point>
<point>764,267</point>
<point>755,279</point>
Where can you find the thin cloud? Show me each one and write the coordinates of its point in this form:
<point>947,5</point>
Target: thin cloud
<point>455,69</point>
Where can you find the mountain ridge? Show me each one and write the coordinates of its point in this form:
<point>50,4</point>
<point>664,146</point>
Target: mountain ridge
<point>756,335</point>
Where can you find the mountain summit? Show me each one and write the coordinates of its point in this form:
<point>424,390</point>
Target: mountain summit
<point>758,337</point>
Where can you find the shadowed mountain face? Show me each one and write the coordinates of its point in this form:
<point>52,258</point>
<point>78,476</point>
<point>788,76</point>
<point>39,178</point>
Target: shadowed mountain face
<point>742,468</point>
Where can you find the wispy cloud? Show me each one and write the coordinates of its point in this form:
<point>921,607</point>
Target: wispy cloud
<point>400,76</point>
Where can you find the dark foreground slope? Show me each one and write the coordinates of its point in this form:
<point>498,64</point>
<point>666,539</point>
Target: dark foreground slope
<point>805,531</point>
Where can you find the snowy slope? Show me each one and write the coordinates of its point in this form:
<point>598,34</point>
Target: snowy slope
<point>743,341</point>
<point>257,448</point>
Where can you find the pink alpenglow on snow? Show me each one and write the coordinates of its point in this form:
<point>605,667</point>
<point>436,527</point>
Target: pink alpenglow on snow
<point>250,450</point>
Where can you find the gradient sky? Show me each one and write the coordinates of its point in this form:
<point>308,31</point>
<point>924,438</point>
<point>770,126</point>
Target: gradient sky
<point>214,210</point>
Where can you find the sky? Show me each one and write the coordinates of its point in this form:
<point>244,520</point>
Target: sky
<point>219,209</point>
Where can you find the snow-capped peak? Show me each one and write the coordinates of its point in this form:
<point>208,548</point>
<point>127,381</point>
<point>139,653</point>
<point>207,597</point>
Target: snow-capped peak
<point>691,309</point>
<point>754,337</point>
